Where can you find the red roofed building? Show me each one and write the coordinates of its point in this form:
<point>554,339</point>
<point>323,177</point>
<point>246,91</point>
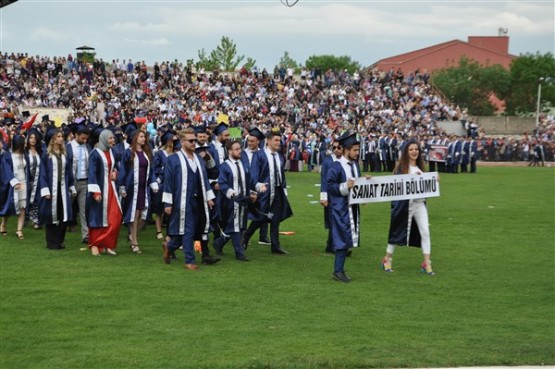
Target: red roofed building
<point>486,50</point>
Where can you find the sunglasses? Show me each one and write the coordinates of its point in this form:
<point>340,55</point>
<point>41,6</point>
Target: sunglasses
<point>336,147</point>
<point>192,140</point>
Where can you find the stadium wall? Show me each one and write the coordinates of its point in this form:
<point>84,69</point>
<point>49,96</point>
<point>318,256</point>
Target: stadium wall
<point>506,125</point>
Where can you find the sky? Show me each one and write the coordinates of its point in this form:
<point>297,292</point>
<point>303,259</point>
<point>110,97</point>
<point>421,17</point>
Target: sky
<point>366,31</point>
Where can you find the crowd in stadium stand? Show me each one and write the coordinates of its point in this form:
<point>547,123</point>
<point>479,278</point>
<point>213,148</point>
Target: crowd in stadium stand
<point>310,108</point>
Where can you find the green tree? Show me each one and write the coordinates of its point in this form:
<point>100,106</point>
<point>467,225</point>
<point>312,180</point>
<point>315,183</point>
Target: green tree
<point>325,62</point>
<point>86,57</point>
<point>206,61</point>
<point>287,62</point>
<point>223,57</point>
<point>527,71</point>
<point>250,63</point>
<point>470,85</point>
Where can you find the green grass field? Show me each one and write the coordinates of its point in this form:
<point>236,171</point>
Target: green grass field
<point>490,303</point>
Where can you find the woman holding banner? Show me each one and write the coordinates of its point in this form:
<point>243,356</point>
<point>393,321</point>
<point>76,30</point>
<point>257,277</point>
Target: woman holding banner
<point>405,213</point>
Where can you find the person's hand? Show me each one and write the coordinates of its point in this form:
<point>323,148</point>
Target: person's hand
<point>324,203</point>
<point>350,183</point>
<point>97,197</point>
<point>48,197</point>
<point>155,190</point>
<point>216,186</point>
<point>263,187</point>
<point>168,210</point>
<point>17,187</point>
<point>253,196</point>
<point>210,204</point>
<point>123,194</point>
<point>114,175</point>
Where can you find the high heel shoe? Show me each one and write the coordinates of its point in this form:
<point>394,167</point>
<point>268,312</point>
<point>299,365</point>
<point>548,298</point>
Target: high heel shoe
<point>427,268</point>
<point>19,234</point>
<point>386,264</point>
<point>135,248</point>
<point>159,236</point>
<point>95,251</point>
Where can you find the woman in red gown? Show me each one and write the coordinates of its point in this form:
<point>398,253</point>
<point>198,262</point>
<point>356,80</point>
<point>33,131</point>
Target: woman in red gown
<point>104,214</point>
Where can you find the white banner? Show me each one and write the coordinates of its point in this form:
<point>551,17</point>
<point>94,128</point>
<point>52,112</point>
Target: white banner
<point>393,188</point>
<point>58,115</point>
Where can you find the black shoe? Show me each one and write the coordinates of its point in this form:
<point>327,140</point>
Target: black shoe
<point>280,251</point>
<point>329,251</point>
<point>264,241</point>
<point>349,252</point>
<point>242,258</point>
<point>85,241</point>
<point>218,247</point>
<point>209,260</point>
<point>244,242</point>
<point>341,277</point>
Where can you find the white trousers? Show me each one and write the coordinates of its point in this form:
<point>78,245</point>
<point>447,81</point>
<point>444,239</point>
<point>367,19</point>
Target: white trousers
<point>420,215</point>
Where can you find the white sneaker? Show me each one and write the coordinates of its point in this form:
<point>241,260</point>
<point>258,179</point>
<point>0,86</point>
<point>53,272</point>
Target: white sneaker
<point>110,251</point>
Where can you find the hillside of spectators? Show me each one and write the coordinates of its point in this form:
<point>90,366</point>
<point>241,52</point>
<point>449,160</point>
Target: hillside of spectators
<point>314,106</point>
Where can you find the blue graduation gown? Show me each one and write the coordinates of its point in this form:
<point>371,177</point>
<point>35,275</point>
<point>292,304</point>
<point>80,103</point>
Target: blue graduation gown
<point>118,150</point>
<point>99,175</point>
<point>234,215</point>
<point>128,181</point>
<point>261,172</point>
<point>160,159</point>
<point>7,182</point>
<point>345,219</point>
<point>178,192</point>
<point>326,164</point>
<point>48,184</point>
<point>33,191</point>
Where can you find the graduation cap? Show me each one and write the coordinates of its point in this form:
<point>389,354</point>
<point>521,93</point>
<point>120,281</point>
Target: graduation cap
<point>220,128</point>
<point>96,130</point>
<point>25,114</point>
<point>168,127</point>
<point>51,131</point>
<point>348,139</point>
<point>66,129</point>
<point>79,128</point>
<point>166,137</point>
<point>45,118</point>
<point>200,129</point>
<point>129,128</point>
<point>118,133</point>
<point>255,132</point>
